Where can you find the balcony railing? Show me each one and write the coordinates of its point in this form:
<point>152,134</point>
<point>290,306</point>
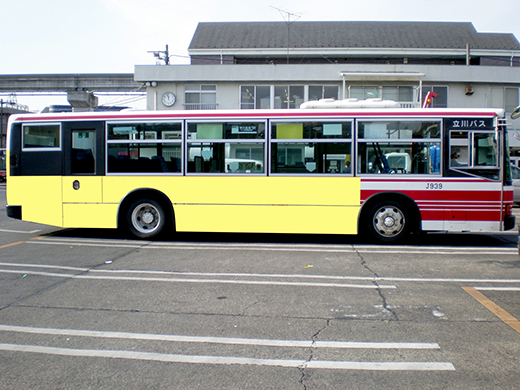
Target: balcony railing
<point>213,106</point>
<point>410,104</point>
<point>200,106</point>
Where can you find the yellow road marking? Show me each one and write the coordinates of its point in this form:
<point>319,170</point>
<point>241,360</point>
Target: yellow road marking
<point>494,308</point>
<point>12,244</point>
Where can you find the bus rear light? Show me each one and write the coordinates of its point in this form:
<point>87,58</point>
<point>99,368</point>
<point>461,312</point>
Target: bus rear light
<point>509,209</point>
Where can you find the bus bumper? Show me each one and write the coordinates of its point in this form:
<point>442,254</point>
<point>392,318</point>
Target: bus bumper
<point>14,212</point>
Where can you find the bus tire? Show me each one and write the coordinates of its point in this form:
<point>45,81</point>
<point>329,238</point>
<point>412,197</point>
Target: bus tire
<point>389,221</point>
<point>145,218</point>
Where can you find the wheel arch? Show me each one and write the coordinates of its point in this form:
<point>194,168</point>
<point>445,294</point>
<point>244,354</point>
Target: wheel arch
<point>404,199</point>
<point>144,193</point>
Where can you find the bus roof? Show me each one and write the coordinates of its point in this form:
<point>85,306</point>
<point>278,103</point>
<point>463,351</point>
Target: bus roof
<point>255,114</point>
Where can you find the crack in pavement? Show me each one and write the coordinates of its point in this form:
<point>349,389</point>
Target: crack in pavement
<point>378,288</point>
<point>311,354</point>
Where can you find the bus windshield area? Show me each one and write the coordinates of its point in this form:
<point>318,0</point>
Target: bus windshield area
<point>475,152</point>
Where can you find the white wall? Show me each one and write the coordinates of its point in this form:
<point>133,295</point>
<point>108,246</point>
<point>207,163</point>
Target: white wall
<point>488,82</point>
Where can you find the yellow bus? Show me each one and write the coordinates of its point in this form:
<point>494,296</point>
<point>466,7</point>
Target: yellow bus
<point>384,171</point>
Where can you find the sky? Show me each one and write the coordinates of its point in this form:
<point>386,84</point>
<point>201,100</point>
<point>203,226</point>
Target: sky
<point>112,36</point>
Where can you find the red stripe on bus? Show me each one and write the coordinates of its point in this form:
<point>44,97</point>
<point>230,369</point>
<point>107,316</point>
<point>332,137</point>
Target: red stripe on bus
<point>444,195</point>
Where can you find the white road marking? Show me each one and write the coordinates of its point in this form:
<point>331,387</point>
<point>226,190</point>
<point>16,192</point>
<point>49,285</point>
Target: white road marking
<point>251,275</point>
<point>277,247</point>
<point>220,340</point>
<point>20,231</point>
<point>201,359</point>
<point>497,288</point>
<point>185,280</point>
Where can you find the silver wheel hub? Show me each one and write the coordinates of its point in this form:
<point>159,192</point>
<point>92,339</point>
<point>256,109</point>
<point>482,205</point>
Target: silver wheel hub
<point>146,218</point>
<point>389,221</point>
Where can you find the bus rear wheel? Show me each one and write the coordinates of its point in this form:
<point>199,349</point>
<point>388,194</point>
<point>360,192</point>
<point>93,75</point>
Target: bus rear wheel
<point>145,218</point>
<point>389,221</point>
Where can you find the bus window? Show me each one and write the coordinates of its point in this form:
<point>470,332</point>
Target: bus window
<point>399,130</point>
<point>485,151</point>
<point>225,157</point>
<point>474,152</point>
<point>226,147</point>
<point>311,147</point>
<point>399,147</point>
<point>398,158</point>
<point>315,157</point>
<point>144,157</point>
<point>227,130</point>
<point>41,136</point>
<point>144,147</point>
<point>83,151</point>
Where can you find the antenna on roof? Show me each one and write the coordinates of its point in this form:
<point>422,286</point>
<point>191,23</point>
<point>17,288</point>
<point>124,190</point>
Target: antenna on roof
<point>287,17</point>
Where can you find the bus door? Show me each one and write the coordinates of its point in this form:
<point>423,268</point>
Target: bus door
<point>83,168</point>
<point>473,152</point>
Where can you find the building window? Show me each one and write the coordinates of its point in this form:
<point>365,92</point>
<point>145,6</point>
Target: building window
<point>317,92</point>
<point>403,94</point>
<point>441,101</point>
<point>288,96</point>
<point>255,96</point>
<point>511,99</point>
<point>363,93</point>
<point>200,97</point>
<point>399,94</point>
<point>283,96</point>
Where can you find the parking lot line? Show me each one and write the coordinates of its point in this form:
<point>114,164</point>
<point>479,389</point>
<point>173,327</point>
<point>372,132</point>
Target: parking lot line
<point>494,308</point>
<point>204,280</point>
<point>219,340</point>
<point>20,231</point>
<point>202,359</point>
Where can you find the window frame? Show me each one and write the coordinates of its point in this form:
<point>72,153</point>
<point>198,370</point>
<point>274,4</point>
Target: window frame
<point>472,147</point>
<point>432,88</point>
<point>299,141</point>
<point>254,104</point>
<point>223,141</point>
<point>42,148</point>
<point>510,92</point>
<point>399,142</point>
<point>200,92</point>
<point>146,141</point>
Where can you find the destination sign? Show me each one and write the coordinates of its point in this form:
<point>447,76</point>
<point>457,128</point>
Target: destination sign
<point>470,123</point>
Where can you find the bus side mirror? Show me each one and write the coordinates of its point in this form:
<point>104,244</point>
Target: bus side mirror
<point>516,113</point>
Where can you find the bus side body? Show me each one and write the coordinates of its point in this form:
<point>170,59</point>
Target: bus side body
<point>378,194</point>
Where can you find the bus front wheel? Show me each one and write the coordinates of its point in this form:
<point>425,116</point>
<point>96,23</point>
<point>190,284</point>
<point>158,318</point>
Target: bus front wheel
<point>389,221</point>
<point>145,218</point>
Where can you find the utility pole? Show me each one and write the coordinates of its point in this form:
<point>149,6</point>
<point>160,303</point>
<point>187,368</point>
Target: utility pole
<point>162,55</point>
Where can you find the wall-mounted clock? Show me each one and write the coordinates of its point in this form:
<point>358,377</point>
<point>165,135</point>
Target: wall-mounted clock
<point>168,99</point>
